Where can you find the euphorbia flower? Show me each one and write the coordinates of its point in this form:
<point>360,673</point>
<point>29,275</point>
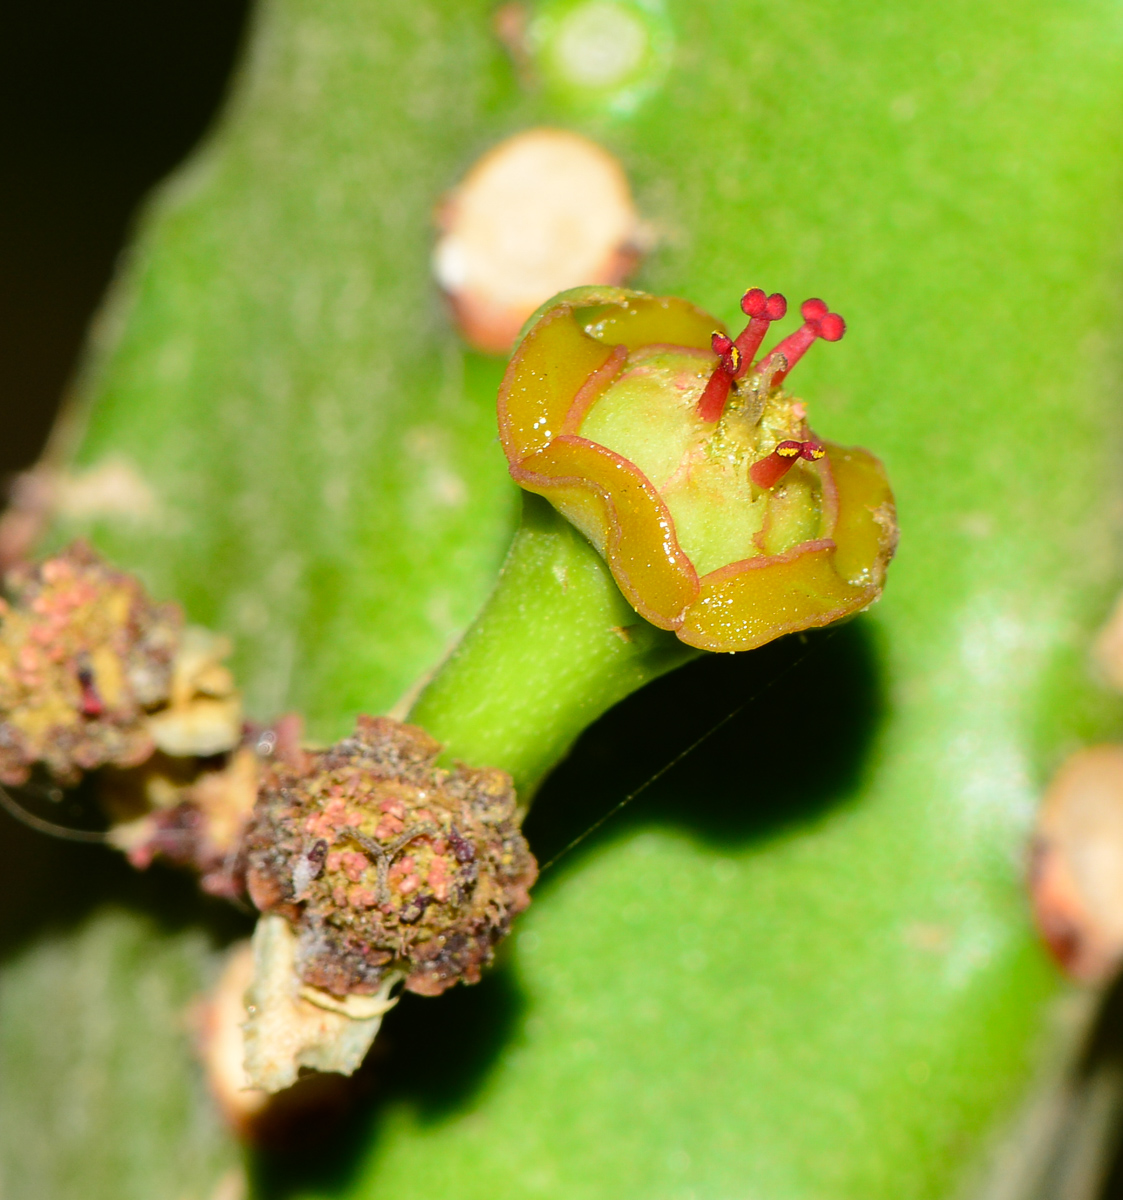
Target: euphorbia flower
<point>691,468</point>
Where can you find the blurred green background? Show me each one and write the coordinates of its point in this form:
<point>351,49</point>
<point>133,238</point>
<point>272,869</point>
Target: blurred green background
<point>105,100</point>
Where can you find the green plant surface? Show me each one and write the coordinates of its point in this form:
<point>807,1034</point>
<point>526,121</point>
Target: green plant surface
<point>832,991</point>
<point>103,968</point>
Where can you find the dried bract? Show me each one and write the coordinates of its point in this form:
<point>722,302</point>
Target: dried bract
<point>386,864</point>
<point>192,818</point>
<point>220,1044</point>
<point>307,1111</point>
<point>290,1027</point>
<point>84,655</point>
<point>203,715</point>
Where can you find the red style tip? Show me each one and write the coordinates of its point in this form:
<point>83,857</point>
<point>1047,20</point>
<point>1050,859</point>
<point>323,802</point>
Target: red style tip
<point>813,309</point>
<point>768,472</point>
<point>832,327</point>
<point>754,303</point>
<point>761,311</point>
<point>818,322</point>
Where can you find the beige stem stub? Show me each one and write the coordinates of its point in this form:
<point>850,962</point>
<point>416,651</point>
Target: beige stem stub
<point>1076,877</point>
<point>543,211</point>
<point>286,1030</point>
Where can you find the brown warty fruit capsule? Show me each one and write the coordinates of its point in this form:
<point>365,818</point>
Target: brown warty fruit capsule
<point>384,863</point>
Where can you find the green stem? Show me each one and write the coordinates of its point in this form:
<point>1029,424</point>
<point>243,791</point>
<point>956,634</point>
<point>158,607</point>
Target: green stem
<point>555,646</point>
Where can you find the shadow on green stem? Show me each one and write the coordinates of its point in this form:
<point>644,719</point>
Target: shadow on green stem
<point>787,730</point>
<point>52,885</point>
<point>800,717</point>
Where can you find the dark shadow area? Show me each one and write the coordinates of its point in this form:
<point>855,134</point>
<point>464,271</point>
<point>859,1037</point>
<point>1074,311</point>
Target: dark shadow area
<point>48,884</point>
<point>100,101</point>
<point>804,714</point>
<point>432,1053</point>
<point>1105,1041</point>
<point>1101,1069</point>
<point>436,1049</point>
<point>792,725</point>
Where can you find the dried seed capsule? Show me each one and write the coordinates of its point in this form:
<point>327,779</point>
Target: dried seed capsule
<point>84,654</point>
<point>190,817</point>
<point>385,864</point>
<point>691,469</point>
<point>93,672</point>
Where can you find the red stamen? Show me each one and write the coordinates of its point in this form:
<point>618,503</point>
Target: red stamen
<point>768,472</point>
<point>761,310</point>
<point>817,323</point>
<point>711,403</point>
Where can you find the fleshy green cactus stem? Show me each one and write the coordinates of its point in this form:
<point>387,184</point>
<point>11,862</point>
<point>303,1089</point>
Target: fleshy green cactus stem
<point>849,1008</point>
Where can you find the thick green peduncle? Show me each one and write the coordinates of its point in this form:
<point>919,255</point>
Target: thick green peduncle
<point>555,646</point>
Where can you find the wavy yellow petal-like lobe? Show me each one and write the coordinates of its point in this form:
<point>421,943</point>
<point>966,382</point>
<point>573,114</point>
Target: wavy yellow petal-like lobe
<point>545,374</point>
<point>615,506</point>
<point>866,527</point>
<point>637,319</point>
<point>748,603</point>
<point>557,360</point>
<point>570,352</point>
